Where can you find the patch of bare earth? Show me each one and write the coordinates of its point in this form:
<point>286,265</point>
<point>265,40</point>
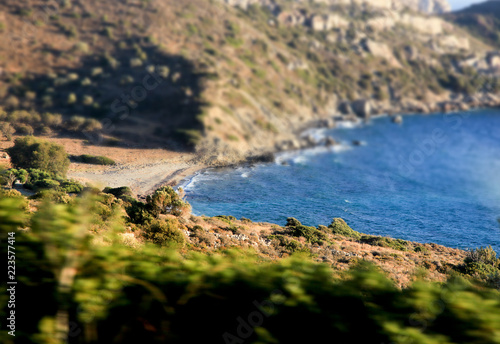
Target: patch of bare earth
<point>141,169</point>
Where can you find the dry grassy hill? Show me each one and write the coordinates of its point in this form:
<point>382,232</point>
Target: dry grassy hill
<point>226,80</point>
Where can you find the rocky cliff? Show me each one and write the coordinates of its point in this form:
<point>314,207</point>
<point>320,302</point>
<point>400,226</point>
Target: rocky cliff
<point>424,6</point>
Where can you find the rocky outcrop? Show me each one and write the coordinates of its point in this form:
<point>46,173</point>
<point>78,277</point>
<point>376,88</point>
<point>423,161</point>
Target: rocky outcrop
<point>328,22</point>
<point>380,50</point>
<point>362,108</point>
<point>424,6</point>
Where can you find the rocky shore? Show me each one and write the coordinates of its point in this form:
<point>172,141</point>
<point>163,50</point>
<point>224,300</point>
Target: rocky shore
<point>364,109</point>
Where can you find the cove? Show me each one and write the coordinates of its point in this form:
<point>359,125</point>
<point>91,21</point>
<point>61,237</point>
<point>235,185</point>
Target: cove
<point>433,178</point>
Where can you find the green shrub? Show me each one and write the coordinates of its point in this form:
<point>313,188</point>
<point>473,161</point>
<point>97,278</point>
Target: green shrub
<point>479,270</point>
<point>292,222</point>
<point>46,184</point>
<point>121,192</point>
<point>226,218</point>
<point>421,249</point>
<point>92,159</point>
<point>7,130</point>
<point>75,123</point>
<point>312,235</point>
<point>24,129</point>
<point>486,256</point>
<point>482,264</point>
<point>396,244</point>
<point>138,213</point>
<point>45,131</point>
<point>340,227</point>
<point>166,200</point>
<point>29,152</point>
<point>164,233</point>
<point>71,186</point>
<point>290,245</point>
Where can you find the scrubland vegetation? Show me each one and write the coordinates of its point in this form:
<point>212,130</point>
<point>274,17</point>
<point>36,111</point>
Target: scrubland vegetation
<point>115,269</point>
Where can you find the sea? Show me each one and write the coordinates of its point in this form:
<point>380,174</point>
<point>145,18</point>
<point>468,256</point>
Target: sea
<point>431,179</point>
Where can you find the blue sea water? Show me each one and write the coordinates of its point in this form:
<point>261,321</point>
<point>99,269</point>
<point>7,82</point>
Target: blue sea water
<point>434,178</point>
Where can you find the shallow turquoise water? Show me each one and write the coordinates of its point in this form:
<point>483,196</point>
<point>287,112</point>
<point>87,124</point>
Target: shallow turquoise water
<point>435,178</point>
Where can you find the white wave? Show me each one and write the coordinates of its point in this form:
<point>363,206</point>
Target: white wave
<point>349,124</point>
<point>339,148</point>
<point>317,134</point>
<point>303,156</point>
<point>199,177</point>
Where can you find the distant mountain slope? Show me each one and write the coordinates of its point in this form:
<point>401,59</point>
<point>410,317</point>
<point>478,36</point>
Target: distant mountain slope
<point>482,20</point>
<point>229,79</point>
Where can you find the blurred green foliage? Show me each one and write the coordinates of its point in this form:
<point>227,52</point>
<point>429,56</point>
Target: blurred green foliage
<point>90,288</point>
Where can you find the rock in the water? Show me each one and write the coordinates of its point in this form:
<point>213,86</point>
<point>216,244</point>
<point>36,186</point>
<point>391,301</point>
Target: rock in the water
<point>397,119</point>
<point>330,141</point>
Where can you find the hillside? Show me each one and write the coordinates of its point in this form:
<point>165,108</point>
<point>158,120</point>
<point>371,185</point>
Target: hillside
<point>227,79</point>
<point>482,20</point>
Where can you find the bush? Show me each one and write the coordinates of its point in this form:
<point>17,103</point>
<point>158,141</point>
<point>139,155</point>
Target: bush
<point>340,227</point>
<point>46,131</point>
<point>24,129</point>
<point>396,244</point>
<point>92,125</point>
<point>165,233</point>
<point>71,186</point>
<point>486,256</point>
<point>479,270</point>
<point>121,192</point>
<point>482,264</point>
<point>92,159</point>
<point>288,244</point>
<point>227,219</point>
<point>30,152</point>
<point>41,180</point>
<point>75,123</point>
<point>46,184</point>
<point>138,213</point>
<point>166,200</point>
<point>7,130</point>
<point>292,222</point>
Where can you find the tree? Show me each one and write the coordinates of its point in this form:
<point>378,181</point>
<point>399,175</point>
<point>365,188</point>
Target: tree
<point>166,201</point>
<point>30,152</point>
<point>10,176</point>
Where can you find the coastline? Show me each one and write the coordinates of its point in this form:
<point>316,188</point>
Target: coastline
<point>156,168</point>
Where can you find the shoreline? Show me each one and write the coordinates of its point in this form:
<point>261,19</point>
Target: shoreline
<point>179,169</point>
